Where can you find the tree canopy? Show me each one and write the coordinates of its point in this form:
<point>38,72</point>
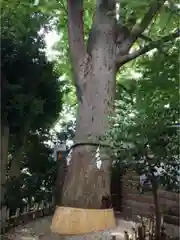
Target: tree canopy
<point>32,94</point>
<point>148,118</point>
<point>30,85</point>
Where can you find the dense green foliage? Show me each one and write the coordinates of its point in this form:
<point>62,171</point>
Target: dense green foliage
<point>30,86</point>
<point>146,119</point>
<point>31,101</point>
<point>36,182</point>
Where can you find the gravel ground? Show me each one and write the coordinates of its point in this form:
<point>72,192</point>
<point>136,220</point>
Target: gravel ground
<point>40,230</point>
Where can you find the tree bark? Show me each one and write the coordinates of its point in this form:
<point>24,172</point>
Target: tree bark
<point>85,184</point>
<point>61,173</point>
<point>157,209</point>
<point>4,157</point>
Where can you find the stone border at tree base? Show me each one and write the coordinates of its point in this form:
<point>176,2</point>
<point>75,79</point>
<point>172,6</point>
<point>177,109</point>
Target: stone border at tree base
<point>77,221</point>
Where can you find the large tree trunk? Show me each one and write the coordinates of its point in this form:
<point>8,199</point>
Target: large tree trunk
<point>85,184</point>
<point>4,157</point>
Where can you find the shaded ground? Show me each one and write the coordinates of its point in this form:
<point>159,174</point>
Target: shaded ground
<point>40,230</point>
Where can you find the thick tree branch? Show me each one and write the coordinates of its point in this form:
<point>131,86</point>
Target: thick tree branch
<point>76,33</point>
<point>122,33</point>
<point>154,44</point>
<point>139,28</point>
<point>103,18</point>
<point>124,39</point>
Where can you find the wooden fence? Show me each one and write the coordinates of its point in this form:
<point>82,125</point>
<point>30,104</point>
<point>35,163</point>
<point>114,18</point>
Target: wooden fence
<point>8,221</point>
<point>134,203</point>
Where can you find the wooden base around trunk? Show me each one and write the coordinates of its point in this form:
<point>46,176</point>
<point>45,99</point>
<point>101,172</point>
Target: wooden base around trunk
<point>78,221</point>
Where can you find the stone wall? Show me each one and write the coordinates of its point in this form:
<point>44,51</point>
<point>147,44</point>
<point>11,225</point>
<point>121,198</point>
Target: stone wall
<point>134,203</point>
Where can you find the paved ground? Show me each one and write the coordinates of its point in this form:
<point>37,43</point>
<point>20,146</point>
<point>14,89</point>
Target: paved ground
<point>40,230</point>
